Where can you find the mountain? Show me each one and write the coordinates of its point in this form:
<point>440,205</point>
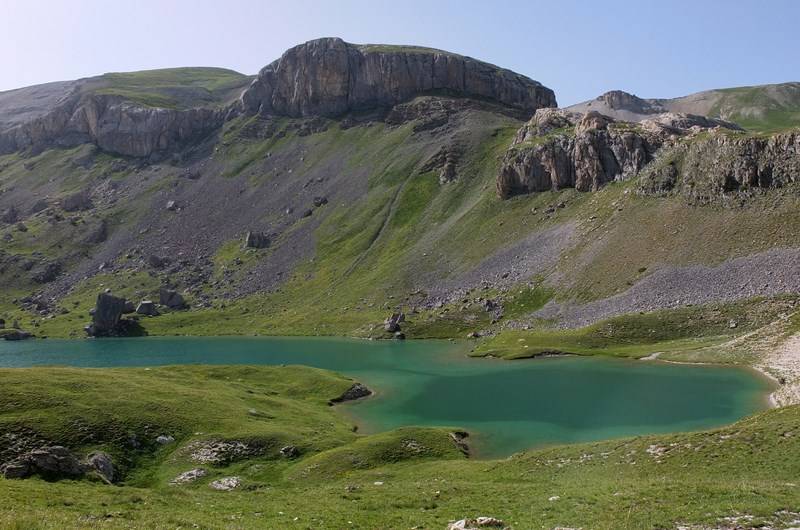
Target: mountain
<point>765,108</point>
<point>346,182</point>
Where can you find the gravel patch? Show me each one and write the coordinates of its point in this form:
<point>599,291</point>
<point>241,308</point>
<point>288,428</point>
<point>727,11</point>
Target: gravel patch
<point>768,273</point>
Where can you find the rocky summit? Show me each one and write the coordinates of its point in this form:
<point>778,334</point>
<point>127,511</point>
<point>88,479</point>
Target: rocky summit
<point>330,77</point>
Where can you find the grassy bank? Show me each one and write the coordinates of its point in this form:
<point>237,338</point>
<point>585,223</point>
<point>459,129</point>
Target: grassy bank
<point>343,480</point>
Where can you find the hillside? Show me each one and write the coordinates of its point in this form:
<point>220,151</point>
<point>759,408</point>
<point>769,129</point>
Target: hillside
<point>764,108</point>
<point>370,197</point>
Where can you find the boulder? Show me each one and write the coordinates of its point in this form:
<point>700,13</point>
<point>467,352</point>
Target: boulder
<point>2,323</point>
<point>51,462</point>
<point>102,464</point>
<point>156,261</point>
<point>392,322</point>
<point>189,476</point>
<point>165,439</point>
<point>290,451</point>
<point>226,484</point>
<point>320,201</point>
<point>256,240</point>
<point>147,307</point>
<point>171,299</point>
<point>10,215</point>
<point>38,206</point>
<point>47,272</point>
<point>107,314</point>
<point>356,391</point>
<point>76,202</point>
<point>17,334</point>
<point>129,307</point>
<point>98,233</point>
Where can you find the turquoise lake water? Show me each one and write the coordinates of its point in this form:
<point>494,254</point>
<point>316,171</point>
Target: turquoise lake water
<point>507,406</point>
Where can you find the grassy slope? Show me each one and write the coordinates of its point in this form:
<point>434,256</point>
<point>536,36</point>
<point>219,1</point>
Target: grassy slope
<point>177,88</point>
<point>369,255</point>
<point>769,108</point>
<point>344,480</point>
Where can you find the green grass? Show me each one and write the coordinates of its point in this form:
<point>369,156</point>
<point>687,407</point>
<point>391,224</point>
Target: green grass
<point>669,332</point>
<point>765,109</point>
<point>176,88</point>
<point>344,480</point>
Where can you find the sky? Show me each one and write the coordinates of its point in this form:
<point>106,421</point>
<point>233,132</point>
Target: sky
<point>580,49</point>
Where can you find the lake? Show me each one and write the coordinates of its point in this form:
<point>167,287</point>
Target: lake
<point>507,406</point>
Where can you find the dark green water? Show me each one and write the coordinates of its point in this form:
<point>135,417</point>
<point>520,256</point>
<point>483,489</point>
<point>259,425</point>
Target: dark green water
<point>507,405</point>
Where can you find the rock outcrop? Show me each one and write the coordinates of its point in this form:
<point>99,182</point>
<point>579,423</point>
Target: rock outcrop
<point>171,299</point>
<point>112,123</point>
<point>559,149</point>
<point>53,462</point>
<point>107,314</point>
<point>330,77</point>
<point>357,391</point>
<point>708,168</point>
<point>256,240</point>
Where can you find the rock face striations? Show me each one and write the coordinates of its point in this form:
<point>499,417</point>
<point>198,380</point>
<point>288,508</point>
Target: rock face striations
<point>707,168</point>
<point>330,77</point>
<point>561,149</point>
<point>325,77</point>
<point>113,124</point>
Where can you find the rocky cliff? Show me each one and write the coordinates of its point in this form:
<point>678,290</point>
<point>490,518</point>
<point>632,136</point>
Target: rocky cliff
<point>112,123</point>
<point>708,167</point>
<point>562,149</point>
<point>330,77</point>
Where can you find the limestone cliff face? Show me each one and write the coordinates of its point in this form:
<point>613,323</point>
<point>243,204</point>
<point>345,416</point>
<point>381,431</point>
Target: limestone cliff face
<point>114,124</point>
<point>330,77</point>
<point>560,149</point>
<point>706,168</point>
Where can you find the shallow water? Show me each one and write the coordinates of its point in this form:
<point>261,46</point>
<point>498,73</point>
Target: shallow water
<point>507,405</point>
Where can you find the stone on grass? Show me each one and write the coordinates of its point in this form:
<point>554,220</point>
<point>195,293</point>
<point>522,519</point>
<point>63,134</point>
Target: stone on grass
<point>170,298</point>
<point>147,307</point>
<point>189,476</point>
<point>226,484</point>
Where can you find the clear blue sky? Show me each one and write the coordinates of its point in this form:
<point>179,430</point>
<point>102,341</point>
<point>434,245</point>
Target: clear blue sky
<point>578,48</point>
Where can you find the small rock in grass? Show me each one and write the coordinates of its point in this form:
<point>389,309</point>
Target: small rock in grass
<point>189,476</point>
<point>290,451</point>
<point>165,439</point>
<point>226,484</point>
<point>475,524</point>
